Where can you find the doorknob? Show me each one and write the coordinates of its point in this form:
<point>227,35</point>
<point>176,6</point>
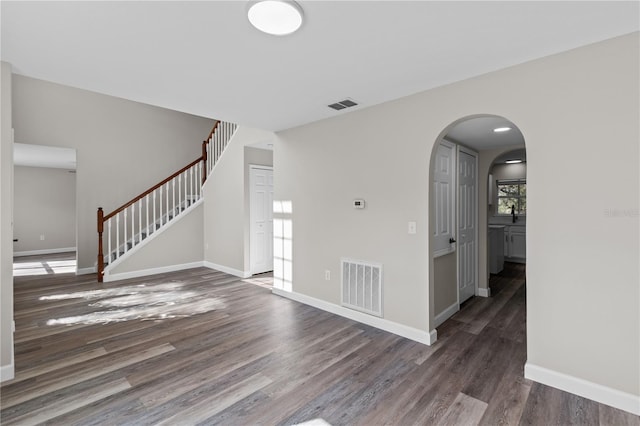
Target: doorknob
<point>452,240</point>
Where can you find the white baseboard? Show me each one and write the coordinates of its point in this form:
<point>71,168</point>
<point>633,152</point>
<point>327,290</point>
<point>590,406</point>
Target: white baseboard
<point>484,292</point>
<point>420,336</point>
<point>43,251</point>
<point>227,270</point>
<point>605,395</point>
<point>85,271</point>
<point>446,314</point>
<point>7,372</point>
<point>151,271</point>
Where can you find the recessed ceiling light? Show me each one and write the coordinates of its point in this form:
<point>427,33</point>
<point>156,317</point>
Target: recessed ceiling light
<point>276,17</point>
<point>513,161</point>
<point>501,129</point>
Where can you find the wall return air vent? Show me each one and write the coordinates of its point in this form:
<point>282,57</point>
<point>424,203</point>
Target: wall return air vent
<point>362,286</point>
<point>347,103</point>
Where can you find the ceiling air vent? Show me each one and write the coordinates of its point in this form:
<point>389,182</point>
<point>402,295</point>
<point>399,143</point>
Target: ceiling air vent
<point>347,103</point>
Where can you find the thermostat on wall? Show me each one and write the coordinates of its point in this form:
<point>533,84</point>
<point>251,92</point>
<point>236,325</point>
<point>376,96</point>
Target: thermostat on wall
<point>358,204</point>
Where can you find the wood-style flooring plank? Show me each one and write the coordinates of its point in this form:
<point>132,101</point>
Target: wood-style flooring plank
<point>68,403</point>
<point>464,410</point>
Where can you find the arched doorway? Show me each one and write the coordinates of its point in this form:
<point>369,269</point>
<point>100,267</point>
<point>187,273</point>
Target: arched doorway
<point>462,206</point>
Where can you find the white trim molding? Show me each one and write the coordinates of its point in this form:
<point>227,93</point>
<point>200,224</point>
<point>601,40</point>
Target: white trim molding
<point>603,394</point>
<point>484,292</point>
<point>446,314</point>
<point>44,251</point>
<point>108,277</point>
<point>420,336</point>
<point>86,271</point>
<point>7,372</point>
<point>227,270</point>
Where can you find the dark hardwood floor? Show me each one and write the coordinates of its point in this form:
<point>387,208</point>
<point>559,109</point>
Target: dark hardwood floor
<point>202,347</point>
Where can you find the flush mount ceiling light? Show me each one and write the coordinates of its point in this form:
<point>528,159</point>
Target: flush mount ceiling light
<point>501,129</point>
<point>513,161</point>
<point>276,17</point>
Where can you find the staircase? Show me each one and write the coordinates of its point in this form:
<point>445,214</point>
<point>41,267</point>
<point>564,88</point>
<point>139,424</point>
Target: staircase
<point>126,229</point>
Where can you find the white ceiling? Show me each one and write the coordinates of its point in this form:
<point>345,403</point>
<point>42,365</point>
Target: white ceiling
<point>204,58</point>
<point>44,156</point>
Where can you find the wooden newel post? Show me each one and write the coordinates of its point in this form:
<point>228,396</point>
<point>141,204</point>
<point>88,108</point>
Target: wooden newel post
<point>204,161</point>
<point>100,253</point>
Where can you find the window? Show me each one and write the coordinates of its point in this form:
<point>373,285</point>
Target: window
<point>512,193</point>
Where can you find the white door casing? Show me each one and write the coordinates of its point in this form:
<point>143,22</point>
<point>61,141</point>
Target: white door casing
<point>467,224</point>
<point>261,219</point>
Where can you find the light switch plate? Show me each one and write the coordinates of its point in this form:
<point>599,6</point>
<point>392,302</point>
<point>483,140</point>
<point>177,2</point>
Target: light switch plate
<point>411,228</point>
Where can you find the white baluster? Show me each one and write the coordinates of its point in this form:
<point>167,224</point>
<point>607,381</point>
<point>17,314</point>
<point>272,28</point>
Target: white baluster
<point>140,221</point>
<point>161,198</point>
<point>133,225</point>
<point>125,231</point>
<point>109,240</point>
<point>199,174</point>
<point>184,182</point>
<point>147,208</point>
<point>166,215</point>
<point>191,180</point>
<point>153,225</point>
<point>180,191</point>
<point>198,181</point>
<point>117,235</point>
<point>223,137</point>
<point>173,190</point>
<point>210,158</point>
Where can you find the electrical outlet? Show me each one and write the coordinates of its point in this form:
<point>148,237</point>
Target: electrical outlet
<point>327,275</point>
<point>41,237</point>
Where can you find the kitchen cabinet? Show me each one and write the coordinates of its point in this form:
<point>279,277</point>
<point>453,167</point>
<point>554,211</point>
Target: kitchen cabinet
<point>515,243</point>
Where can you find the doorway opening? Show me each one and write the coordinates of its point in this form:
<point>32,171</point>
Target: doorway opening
<point>469,204</point>
<point>44,210</point>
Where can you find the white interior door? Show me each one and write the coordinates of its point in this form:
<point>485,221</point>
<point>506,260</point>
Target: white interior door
<point>261,217</point>
<point>444,196</point>
<point>467,225</point>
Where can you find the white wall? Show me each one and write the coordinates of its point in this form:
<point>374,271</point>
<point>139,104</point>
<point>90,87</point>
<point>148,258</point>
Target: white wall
<point>6,231</point>
<point>579,113</point>
<point>44,204</point>
<point>226,234</point>
<point>122,147</point>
